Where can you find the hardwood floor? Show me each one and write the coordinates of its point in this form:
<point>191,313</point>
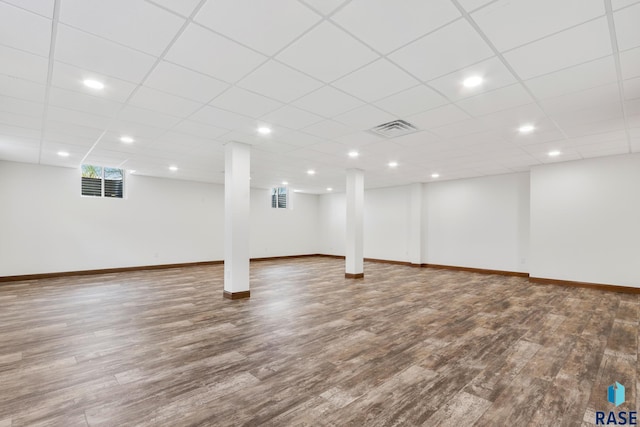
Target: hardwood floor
<point>403,346</point>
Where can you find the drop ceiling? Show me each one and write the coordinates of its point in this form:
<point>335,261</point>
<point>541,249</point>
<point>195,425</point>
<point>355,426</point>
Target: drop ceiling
<point>184,77</point>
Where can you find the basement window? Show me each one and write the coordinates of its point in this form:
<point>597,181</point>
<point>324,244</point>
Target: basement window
<point>279,197</point>
<point>99,181</point>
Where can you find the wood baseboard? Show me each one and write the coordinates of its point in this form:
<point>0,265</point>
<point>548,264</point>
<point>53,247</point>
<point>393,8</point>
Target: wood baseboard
<point>598,286</point>
<point>236,295</point>
<point>275,258</point>
<point>387,261</point>
<point>104,271</point>
<point>476,270</point>
<point>354,276</point>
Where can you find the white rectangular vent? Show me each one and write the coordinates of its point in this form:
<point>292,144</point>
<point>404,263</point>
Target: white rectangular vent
<point>394,128</point>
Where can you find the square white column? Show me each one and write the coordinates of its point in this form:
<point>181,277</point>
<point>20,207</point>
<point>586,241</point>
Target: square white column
<point>354,263</point>
<point>236,220</point>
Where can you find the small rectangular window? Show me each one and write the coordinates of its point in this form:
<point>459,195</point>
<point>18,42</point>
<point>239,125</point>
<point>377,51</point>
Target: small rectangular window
<point>279,197</point>
<point>98,181</point>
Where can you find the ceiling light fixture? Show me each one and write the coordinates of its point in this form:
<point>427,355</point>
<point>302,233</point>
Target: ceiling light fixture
<point>554,153</point>
<point>311,172</point>
<point>393,164</point>
<point>173,168</point>
<point>126,139</point>
<point>63,154</point>
<point>93,84</point>
<point>526,128</point>
<point>263,130</point>
<point>132,171</point>
<point>435,175</point>
<point>285,183</point>
<point>473,81</point>
<point>353,154</point>
<point>329,189</point>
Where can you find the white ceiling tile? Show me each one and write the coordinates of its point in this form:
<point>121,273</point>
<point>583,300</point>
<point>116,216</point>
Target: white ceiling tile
<point>244,102</point>
<point>630,63</point>
<point>576,127</point>
<point>147,117</point>
<point>493,71</point>
<point>618,4</point>
<point>279,82</point>
<point>455,46</point>
<point>28,66</point>
<point>438,117</point>
<point>274,147</point>
<point>358,139</point>
<point>17,149</point>
<point>470,5</point>
<point>181,81</point>
<point>465,127</point>
<point>182,7</point>
<point>75,117</point>
<point>199,129</point>
<point>598,96</point>
<point>71,132</point>
<point>328,129</point>
<point>20,120</point>
<point>511,23</point>
<point>365,117</point>
<point>136,130</point>
<point>626,22</point>
<point>224,119</point>
<point>83,102</point>
<point>375,81</point>
<point>324,7</point>
<point>140,25</point>
<point>512,118</point>
<point>24,30</point>
<point>19,132</point>
<point>327,53</point>
<point>41,7</point>
<point>228,60</point>
<point>266,26</point>
<point>568,48</point>
<point>71,78</point>
<point>295,137</point>
<point>386,25</point>
<point>580,77</point>
<point>632,89</point>
<point>412,101</point>
<point>93,53</point>
<point>155,100</point>
<point>417,140</point>
<point>20,106</point>
<point>496,100</point>
<point>291,117</point>
<point>328,102</point>
<point>23,89</point>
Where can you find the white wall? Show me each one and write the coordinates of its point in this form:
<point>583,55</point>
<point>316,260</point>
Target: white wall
<point>46,226</point>
<point>332,225</point>
<point>478,222</point>
<point>585,221</point>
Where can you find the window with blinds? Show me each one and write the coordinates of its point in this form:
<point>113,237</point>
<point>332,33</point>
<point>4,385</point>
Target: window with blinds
<point>279,197</point>
<point>98,181</point>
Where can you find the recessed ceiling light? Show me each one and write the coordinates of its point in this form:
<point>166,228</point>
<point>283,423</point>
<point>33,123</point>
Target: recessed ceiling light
<point>63,154</point>
<point>435,175</point>
<point>93,84</point>
<point>296,191</point>
<point>285,183</point>
<point>263,130</point>
<point>393,164</point>
<point>329,189</point>
<point>472,81</point>
<point>173,168</point>
<point>554,153</point>
<point>353,154</point>
<point>132,171</point>
<point>311,172</point>
<point>526,128</point>
<point>126,139</point>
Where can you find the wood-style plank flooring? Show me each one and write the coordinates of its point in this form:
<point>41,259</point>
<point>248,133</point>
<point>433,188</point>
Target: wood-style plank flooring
<point>404,346</point>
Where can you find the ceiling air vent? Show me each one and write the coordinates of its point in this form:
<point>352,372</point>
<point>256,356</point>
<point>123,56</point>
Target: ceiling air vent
<point>394,128</point>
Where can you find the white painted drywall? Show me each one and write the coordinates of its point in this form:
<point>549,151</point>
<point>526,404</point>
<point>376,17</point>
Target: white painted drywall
<point>332,223</point>
<point>585,221</point>
<point>46,226</point>
<point>478,222</point>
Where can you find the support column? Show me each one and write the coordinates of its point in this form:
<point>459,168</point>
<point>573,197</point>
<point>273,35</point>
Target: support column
<point>415,225</point>
<point>354,265</point>
<point>236,220</point>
